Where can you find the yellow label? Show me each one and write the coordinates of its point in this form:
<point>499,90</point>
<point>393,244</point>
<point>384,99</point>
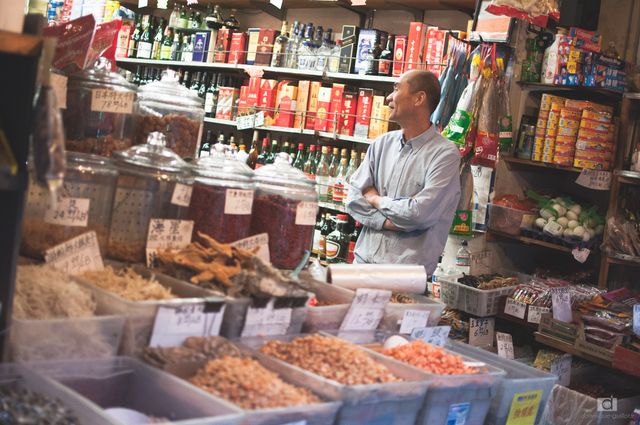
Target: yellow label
<point>524,408</point>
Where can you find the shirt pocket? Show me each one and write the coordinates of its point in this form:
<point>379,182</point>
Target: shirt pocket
<point>412,185</point>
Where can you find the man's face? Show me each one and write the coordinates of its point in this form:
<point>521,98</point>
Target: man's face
<point>402,101</point>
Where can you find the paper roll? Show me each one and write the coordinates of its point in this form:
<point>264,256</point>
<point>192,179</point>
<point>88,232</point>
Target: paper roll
<point>394,277</point>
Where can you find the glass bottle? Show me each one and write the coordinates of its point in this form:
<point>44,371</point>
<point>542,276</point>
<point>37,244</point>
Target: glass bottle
<point>315,249</point>
<point>175,16</point>
<point>351,168</point>
<point>231,22</point>
<point>167,43</point>
<point>274,151</point>
<point>353,238</point>
<point>204,85</point>
<point>339,178</point>
<point>334,57</point>
<point>310,164</point>
<point>306,50</point>
<point>299,162</point>
<point>211,97</point>
<point>253,153</point>
<point>145,44</point>
<point>196,22</point>
<point>337,242</point>
<point>334,162</point>
<point>322,175</point>
<point>183,20</point>
<point>157,39</point>
<point>463,258</point>
<point>329,226</point>
<point>385,64</point>
<point>324,51</point>
<point>132,50</point>
<point>264,154</point>
<point>279,55</point>
<point>215,19</point>
<point>195,83</point>
<point>137,76</point>
<point>187,49</point>
<point>176,48</point>
<point>205,148</point>
<point>292,46</point>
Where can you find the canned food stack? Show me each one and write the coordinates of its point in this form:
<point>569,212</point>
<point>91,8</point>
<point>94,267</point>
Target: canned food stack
<point>552,131</point>
<point>541,126</point>
<point>595,145</point>
<point>565,144</point>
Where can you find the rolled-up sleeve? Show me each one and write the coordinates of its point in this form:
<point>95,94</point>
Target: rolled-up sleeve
<point>357,206</point>
<point>432,204</point>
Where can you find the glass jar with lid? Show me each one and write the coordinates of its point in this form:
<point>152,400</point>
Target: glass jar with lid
<point>222,197</point>
<point>285,207</point>
<point>153,183</point>
<point>98,117</point>
<point>172,109</point>
<point>83,204</point>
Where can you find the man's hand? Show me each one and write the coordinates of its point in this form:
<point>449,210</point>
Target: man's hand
<point>388,225</point>
<point>372,196</point>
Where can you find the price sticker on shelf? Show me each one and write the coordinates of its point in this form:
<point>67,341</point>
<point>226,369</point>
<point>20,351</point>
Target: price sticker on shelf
<point>636,319</point>
<point>481,331</point>
<point>267,320</point>
<point>175,323</point>
<point>561,367</point>
<point>595,179</point>
<point>515,308</point>
<point>306,213</point>
<point>561,304</point>
<point>436,335</point>
<point>366,310</point>
<point>258,244</point>
<point>106,100</point>
<point>504,342</point>
<point>238,202</point>
<point>535,313</point>
<point>77,255</point>
<point>580,254</point>
<point>72,212</point>
<point>524,408</point>
<point>276,3</point>
<point>167,234</point>
<point>413,319</point>
<point>181,195</point>
<point>59,86</point>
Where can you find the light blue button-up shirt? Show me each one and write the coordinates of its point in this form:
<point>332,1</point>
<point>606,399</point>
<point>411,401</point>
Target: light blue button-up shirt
<point>419,182</point>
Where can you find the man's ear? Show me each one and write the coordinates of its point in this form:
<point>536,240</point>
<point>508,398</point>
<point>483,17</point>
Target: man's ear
<point>421,98</point>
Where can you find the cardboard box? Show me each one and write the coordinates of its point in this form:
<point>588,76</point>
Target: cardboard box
<point>349,48</point>
<point>265,46</point>
<point>211,49</point>
<point>243,109</point>
<point>301,103</point>
<point>226,100</point>
<point>324,105</point>
<point>252,45</point>
<point>237,51</point>
<point>367,39</point>
<point>286,104</point>
<point>399,54</point>
<point>414,46</point>
<point>222,45</point>
<point>363,113</point>
<point>337,93</point>
<point>375,127</point>
<point>384,123</point>
<point>201,46</point>
<point>267,100</point>
<point>347,120</point>
<point>434,49</point>
<point>312,108</point>
<point>253,91</point>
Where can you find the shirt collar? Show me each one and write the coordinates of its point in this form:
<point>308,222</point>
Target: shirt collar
<point>419,140</point>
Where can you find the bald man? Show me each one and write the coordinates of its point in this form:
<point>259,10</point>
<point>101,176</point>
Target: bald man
<point>406,190</point>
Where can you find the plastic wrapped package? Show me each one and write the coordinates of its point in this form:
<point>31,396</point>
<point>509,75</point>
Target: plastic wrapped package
<point>535,11</point>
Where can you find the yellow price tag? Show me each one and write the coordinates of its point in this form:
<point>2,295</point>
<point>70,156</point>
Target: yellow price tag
<point>524,408</point>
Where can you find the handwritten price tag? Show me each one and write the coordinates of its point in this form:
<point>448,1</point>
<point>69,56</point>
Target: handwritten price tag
<point>175,323</point>
<point>561,303</point>
<point>413,319</point>
<point>504,343</point>
<point>117,102</point>
<point>238,202</point>
<point>250,121</point>
<point>259,244</point>
<point>366,311</point>
<point>515,308</point>
<point>436,335</point>
<point>595,179</point>
<point>167,234</point>
<point>535,313</point>
<point>267,320</point>
<point>68,212</point>
<point>481,331</point>
<point>181,195</point>
<point>580,254</point>
<point>306,213</point>
<point>561,367</point>
<point>76,255</point>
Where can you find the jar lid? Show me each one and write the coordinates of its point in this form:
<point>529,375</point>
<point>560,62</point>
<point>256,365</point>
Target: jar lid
<point>281,173</point>
<point>169,90</point>
<point>221,165</point>
<point>84,162</point>
<point>153,155</point>
<point>101,74</point>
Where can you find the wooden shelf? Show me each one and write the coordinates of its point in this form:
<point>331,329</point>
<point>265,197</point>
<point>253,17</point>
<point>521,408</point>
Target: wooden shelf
<point>628,177</point>
<point>611,94</point>
<point>623,259</point>
<point>530,241</point>
<point>527,163</point>
<point>564,346</point>
<point>632,96</point>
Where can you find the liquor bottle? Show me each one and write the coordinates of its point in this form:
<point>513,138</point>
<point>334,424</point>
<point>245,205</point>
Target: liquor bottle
<point>157,39</point>
<point>165,49</point>
<point>195,83</point>
<point>183,20</point>
<point>334,162</point>
<point>274,151</point>
<point>231,22</point>
<point>315,248</point>
<point>211,97</point>
<point>175,16</point>
<point>196,21</point>
<point>205,148</point>
<point>322,175</point>
<point>137,76</point>
<point>264,154</point>
<point>279,55</point>
<point>337,242</point>
<point>310,164</point>
<point>285,149</point>
<point>292,45</point>
<point>318,154</point>
<point>385,64</point>
<point>253,153</point>
<point>299,162</point>
<point>334,57</point>
<point>145,44</point>
<point>329,226</point>
<point>351,168</point>
<point>204,84</point>
<point>214,20</point>
<point>145,77</point>
<point>176,48</point>
<point>339,178</point>
<point>353,238</point>
<point>132,50</point>
<point>186,79</point>
<point>187,49</point>
<point>307,50</point>
<point>324,51</point>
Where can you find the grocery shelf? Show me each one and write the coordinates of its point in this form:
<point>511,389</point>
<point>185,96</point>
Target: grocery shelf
<point>613,95</point>
<point>566,347</point>
<point>518,162</point>
<point>522,322</point>
<point>220,121</point>
<point>623,259</point>
<point>628,177</point>
<point>530,241</point>
<point>332,206</point>
<point>633,96</point>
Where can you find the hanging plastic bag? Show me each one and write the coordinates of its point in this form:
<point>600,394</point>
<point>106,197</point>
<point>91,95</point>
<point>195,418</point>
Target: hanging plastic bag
<point>537,12</point>
<point>487,137</point>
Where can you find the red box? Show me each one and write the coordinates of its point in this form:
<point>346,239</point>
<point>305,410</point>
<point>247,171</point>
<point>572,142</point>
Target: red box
<point>324,105</point>
<point>312,107</point>
<point>286,103</point>
<point>399,54</point>
<point>267,100</point>
<point>265,46</point>
<point>336,107</point>
<point>222,45</point>
<point>238,51</point>
<point>347,119</point>
<point>254,91</point>
<point>363,113</point>
<point>414,46</point>
<point>226,99</point>
<point>301,103</point>
<point>242,101</point>
<point>434,50</point>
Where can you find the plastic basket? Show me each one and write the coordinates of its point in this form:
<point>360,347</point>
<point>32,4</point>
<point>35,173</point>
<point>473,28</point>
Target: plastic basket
<point>479,302</point>
<point>508,220</point>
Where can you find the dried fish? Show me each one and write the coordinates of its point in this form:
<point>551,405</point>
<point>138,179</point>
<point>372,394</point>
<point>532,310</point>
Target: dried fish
<point>194,349</point>
<point>22,406</point>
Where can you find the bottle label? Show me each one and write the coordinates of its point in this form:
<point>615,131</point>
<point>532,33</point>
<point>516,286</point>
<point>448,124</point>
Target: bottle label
<point>338,192</point>
<point>208,103</point>
<point>316,241</point>
<point>323,185</point>
<point>463,261</point>
<point>351,253</point>
<point>165,52</point>
<point>144,50</point>
<point>332,249</point>
<point>384,67</point>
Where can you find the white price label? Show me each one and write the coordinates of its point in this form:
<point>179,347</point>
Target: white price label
<point>182,195</point>
<point>267,320</point>
<point>162,4</point>
<point>561,367</point>
<point>595,179</point>
<point>175,323</point>
<point>167,234</point>
<point>68,212</point>
<point>77,255</point>
<point>143,3</point>
<point>535,313</point>
<point>258,244</point>
<point>259,120</point>
<point>276,3</point>
<point>306,213</point>
<point>358,2</point>
<point>636,319</point>
<point>436,335</point>
<point>481,331</point>
<point>581,254</point>
<point>413,319</point>
<point>238,202</point>
<point>515,308</point>
<point>504,343</point>
<point>244,122</point>
<point>59,87</point>
<point>366,310</point>
<point>561,303</point>
<point>106,100</point>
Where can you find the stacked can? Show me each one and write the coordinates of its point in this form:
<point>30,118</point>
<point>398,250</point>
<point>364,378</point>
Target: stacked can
<point>565,146</point>
<point>541,126</point>
<point>552,131</point>
<point>596,144</point>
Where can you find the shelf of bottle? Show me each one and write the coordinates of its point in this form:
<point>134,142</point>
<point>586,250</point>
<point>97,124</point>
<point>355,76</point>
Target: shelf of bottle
<point>331,206</point>
<point>532,86</point>
<point>268,69</point>
<point>190,30</point>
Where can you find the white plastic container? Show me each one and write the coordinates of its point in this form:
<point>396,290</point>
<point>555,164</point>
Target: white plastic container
<point>479,302</point>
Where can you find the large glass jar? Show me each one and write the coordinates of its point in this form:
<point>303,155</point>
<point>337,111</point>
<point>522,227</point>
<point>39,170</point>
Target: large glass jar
<point>222,196</point>
<point>81,205</point>
<point>174,110</point>
<point>285,207</point>
<point>98,118</point>
<point>152,183</point>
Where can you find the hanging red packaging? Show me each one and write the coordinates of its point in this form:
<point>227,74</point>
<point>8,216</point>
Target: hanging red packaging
<point>104,43</point>
<point>74,39</point>
<point>538,12</point>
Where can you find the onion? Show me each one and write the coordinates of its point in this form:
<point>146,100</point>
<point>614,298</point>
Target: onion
<point>579,231</point>
<point>567,232</point>
<point>546,213</point>
<point>576,209</point>
<point>586,236</point>
<point>571,215</point>
<point>563,221</point>
<point>559,209</point>
<point>541,222</point>
<point>572,224</point>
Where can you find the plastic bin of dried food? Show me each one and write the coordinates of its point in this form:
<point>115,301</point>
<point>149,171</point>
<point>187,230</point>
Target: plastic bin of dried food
<point>126,383</point>
<point>82,204</point>
<point>48,401</point>
<point>450,397</point>
<point>522,387</point>
<point>140,315</point>
<point>392,403</point>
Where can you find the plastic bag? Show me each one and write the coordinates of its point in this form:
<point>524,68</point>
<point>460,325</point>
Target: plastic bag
<point>537,12</point>
<point>623,236</point>
<point>487,138</point>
